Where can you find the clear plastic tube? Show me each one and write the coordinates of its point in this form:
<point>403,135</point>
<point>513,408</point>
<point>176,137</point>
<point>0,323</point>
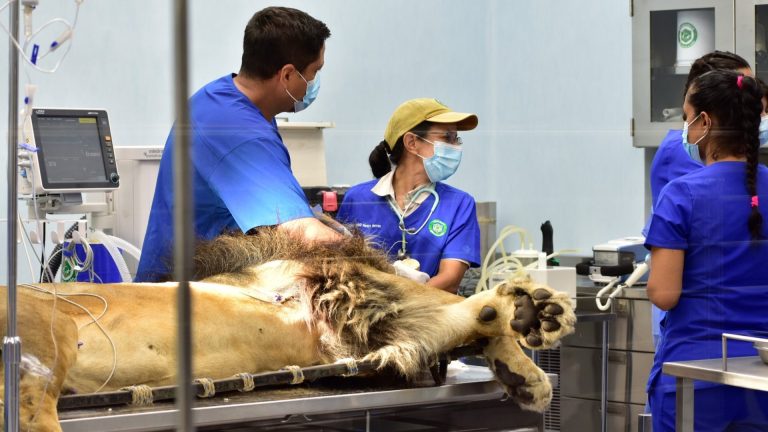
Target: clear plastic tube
<point>125,246</point>
<point>114,252</point>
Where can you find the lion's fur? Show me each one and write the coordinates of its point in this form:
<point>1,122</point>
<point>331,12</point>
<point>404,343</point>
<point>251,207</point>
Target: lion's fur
<point>235,253</point>
<point>348,290</point>
<point>343,300</point>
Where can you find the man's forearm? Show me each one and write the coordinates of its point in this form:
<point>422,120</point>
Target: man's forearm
<point>311,229</point>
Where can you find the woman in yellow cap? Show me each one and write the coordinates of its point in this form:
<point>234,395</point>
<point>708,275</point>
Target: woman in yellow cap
<point>424,224</point>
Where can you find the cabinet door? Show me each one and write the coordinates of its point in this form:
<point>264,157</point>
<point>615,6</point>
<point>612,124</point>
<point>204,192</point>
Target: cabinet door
<point>667,36</point>
<point>751,31</point>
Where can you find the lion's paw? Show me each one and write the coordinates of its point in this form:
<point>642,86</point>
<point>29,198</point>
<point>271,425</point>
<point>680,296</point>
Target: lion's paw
<point>533,392</point>
<point>542,315</point>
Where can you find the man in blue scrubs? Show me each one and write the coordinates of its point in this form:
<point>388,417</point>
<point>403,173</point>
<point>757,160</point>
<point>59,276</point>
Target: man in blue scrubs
<point>241,168</point>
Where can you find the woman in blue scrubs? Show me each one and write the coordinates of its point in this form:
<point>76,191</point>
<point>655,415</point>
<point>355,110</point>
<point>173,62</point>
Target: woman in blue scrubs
<point>407,210</point>
<point>709,253</point>
<point>671,159</point>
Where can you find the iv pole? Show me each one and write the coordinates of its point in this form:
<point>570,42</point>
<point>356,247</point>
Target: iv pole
<point>12,342</point>
<point>183,212</point>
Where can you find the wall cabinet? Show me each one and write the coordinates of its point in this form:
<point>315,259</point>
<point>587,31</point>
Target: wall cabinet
<point>668,35</point>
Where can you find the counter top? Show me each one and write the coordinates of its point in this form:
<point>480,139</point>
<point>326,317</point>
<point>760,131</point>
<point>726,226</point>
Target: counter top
<point>745,372</point>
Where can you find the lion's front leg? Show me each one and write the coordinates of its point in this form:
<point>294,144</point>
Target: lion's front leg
<point>535,314</point>
<point>523,381</point>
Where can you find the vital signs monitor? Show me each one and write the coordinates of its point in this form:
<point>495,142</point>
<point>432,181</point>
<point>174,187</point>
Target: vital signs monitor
<point>70,150</point>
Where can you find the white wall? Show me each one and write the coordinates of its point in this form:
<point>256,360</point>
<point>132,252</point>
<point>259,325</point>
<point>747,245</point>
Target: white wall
<point>550,81</point>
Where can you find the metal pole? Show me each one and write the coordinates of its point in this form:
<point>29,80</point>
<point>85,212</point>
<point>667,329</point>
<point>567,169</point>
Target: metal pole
<point>184,234</point>
<point>12,342</point>
<point>604,382</point>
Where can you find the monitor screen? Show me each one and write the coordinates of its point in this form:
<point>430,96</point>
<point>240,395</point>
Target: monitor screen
<point>74,149</point>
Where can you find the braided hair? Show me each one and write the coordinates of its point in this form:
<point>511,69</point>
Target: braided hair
<point>735,101</point>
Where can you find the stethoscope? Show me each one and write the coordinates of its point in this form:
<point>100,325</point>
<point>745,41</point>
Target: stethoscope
<point>430,189</point>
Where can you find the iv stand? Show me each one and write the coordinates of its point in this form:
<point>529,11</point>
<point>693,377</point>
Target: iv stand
<point>12,342</point>
<point>183,212</point>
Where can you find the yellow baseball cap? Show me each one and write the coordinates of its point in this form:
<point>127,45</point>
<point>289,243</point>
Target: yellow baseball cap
<point>410,113</point>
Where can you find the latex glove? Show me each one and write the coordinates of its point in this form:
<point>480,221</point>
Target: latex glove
<point>401,269</point>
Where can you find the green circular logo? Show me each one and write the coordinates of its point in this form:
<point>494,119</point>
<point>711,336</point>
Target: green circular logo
<point>687,35</point>
<point>437,227</point>
<point>68,273</point>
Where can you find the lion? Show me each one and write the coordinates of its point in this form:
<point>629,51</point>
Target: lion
<point>264,301</point>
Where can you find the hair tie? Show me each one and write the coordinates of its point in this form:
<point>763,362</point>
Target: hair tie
<point>739,81</point>
<point>755,202</point>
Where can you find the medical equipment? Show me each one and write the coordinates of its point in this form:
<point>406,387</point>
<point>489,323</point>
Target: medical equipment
<point>617,264</point>
<point>67,166</point>
<point>35,56</point>
<point>501,266</point>
<point>402,254</point>
<point>70,150</point>
<point>325,199</point>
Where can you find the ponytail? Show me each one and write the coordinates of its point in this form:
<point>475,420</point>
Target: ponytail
<point>382,158</point>
<point>379,160</point>
<point>751,150</point>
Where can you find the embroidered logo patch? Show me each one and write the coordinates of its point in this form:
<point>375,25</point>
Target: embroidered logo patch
<point>437,227</point>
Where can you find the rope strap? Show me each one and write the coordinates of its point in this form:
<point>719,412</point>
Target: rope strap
<point>298,375</point>
<point>351,366</point>
<point>248,384</point>
<point>209,390</point>
<point>141,395</point>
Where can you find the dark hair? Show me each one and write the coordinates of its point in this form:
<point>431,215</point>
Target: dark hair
<point>735,101</point>
<point>716,60</point>
<point>381,158</point>
<point>763,87</point>
<point>277,36</point>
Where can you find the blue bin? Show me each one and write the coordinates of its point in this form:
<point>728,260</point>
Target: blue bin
<point>103,265</point>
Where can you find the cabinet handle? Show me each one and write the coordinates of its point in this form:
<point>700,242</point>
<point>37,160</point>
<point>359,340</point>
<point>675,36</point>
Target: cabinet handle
<point>617,409</point>
<point>617,357</point>
<point>622,308</point>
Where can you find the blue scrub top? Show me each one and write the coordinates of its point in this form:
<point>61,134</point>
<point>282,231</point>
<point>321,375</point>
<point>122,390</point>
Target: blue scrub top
<point>451,231</point>
<point>725,277</point>
<point>241,172</point>
<point>670,162</point>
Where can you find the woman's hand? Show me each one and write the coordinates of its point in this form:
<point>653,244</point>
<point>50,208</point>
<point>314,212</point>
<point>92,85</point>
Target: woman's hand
<point>402,269</point>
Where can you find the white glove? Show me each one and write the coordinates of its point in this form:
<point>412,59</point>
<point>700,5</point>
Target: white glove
<point>402,269</point>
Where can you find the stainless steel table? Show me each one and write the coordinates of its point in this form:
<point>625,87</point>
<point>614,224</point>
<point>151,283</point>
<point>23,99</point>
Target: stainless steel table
<point>471,383</point>
<point>745,372</point>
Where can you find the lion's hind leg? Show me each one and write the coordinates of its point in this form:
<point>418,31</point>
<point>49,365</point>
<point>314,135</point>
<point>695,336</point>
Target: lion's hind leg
<point>44,364</point>
<point>522,380</point>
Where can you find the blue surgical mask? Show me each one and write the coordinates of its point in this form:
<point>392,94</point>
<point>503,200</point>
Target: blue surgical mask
<point>692,149</point>
<point>313,87</point>
<point>764,131</point>
<point>443,162</point>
